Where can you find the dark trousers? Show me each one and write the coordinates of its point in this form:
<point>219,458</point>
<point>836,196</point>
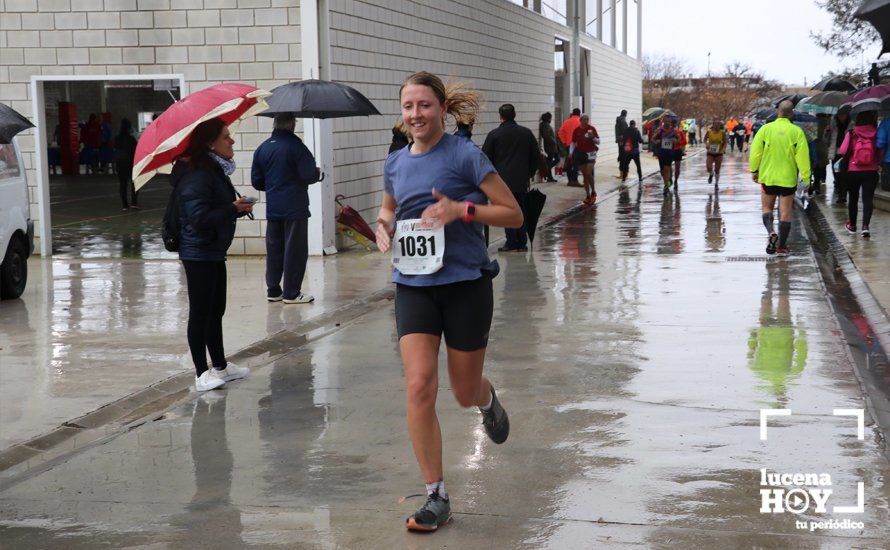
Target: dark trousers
<point>840,185</point>
<point>626,158</point>
<point>287,250</point>
<point>691,138</point>
<point>819,175</point>
<point>868,181</point>
<point>516,238</point>
<point>125,183</point>
<point>571,169</point>
<point>552,160</point>
<point>207,305</point>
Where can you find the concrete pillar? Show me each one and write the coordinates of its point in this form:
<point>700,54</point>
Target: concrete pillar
<point>318,134</point>
<point>44,223</point>
<point>575,20</point>
<point>613,23</point>
<point>639,29</point>
<point>624,25</point>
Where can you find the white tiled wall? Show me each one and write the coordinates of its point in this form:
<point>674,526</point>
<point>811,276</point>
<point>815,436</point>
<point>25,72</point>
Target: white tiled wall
<point>503,50</point>
<point>208,41</point>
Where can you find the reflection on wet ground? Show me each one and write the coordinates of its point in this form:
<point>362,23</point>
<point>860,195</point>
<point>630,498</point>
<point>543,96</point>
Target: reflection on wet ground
<point>88,222</point>
<point>633,349</point>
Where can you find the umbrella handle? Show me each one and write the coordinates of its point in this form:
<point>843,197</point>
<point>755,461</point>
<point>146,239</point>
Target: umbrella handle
<point>322,179</point>
<point>338,198</point>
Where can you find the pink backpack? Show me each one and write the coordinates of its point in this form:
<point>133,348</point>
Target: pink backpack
<point>864,151</point>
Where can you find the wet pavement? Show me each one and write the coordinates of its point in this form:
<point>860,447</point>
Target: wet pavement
<point>633,348</point>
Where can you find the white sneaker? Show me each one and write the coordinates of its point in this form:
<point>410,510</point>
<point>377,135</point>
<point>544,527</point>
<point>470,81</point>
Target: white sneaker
<point>209,380</point>
<point>303,298</point>
<point>232,372</point>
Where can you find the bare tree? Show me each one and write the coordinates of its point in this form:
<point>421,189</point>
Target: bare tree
<point>733,92</point>
<point>848,36</point>
<point>661,76</point>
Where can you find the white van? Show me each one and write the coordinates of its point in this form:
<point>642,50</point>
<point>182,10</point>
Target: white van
<point>16,226</point>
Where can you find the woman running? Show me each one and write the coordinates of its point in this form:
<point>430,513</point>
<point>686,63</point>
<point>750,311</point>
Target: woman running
<point>438,193</point>
<point>715,142</point>
<point>586,141</point>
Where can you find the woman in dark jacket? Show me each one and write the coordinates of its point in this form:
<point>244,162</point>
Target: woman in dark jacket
<point>548,144</point>
<point>124,151</point>
<point>629,149</point>
<point>841,123</point>
<point>208,209</point>
<point>399,137</point>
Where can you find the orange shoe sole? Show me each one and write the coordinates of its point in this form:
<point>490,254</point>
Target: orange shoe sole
<point>412,525</point>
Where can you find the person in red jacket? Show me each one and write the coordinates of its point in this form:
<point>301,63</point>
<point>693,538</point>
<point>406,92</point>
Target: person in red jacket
<point>586,141</point>
<point>669,143</point>
<point>565,136</point>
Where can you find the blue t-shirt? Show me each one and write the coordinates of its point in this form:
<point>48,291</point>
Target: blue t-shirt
<point>455,167</point>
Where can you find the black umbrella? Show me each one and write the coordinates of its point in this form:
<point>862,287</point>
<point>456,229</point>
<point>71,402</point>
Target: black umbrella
<point>793,98</point>
<point>534,204</point>
<point>877,12</point>
<point>11,123</point>
<point>318,99</point>
<point>834,84</point>
<point>765,113</point>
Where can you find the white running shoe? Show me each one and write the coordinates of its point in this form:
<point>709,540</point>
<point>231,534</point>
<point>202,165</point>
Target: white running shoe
<point>303,298</point>
<point>232,372</point>
<point>209,380</point>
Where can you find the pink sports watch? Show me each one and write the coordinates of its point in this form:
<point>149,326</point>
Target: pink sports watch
<point>469,212</point>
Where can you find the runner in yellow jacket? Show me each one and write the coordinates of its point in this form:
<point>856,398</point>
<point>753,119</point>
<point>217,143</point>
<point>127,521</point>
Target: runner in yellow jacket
<point>779,157</point>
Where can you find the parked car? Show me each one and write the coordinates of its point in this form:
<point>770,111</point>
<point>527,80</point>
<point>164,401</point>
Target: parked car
<point>16,226</point>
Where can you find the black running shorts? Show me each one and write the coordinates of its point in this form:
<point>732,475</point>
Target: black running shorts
<point>774,190</point>
<point>462,311</point>
<point>669,158</point>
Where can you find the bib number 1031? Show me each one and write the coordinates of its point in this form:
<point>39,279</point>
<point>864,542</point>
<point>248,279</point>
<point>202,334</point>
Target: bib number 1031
<point>417,245</point>
<point>419,248</point>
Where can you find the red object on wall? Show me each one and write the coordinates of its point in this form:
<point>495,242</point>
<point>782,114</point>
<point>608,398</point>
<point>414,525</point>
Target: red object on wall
<point>69,138</point>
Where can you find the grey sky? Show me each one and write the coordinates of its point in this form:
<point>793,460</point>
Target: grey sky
<point>770,35</point>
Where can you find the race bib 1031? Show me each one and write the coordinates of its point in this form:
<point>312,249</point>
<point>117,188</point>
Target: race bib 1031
<point>418,248</point>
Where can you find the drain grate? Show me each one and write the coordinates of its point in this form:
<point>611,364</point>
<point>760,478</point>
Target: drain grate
<point>750,258</point>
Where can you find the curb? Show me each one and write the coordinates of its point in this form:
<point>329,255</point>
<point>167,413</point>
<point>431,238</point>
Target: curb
<point>841,279</point>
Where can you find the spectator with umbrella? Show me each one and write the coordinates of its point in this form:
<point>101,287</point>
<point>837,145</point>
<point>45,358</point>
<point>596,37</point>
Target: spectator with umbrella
<point>863,159</point>
<point>838,132</point>
<point>284,168</point>
<point>194,133</point>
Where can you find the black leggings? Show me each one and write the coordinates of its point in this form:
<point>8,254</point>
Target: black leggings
<point>125,183</point>
<point>207,304</point>
<point>869,182</point>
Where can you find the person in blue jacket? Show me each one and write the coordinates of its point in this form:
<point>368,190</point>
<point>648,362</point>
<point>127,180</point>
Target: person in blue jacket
<point>883,144</point>
<point>284,168</point>
<point>208,208</point>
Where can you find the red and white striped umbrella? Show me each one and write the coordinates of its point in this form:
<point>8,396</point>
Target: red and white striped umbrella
<point>167,136</point>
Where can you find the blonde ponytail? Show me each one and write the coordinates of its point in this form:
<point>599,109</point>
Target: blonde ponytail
<point>464,103</point>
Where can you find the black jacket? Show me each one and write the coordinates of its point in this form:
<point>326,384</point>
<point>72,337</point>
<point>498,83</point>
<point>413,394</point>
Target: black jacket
<point>548,139</point>
<point>620,127</point>
<point>206,212</point>
<point>514,152</point>
<point>399,141</point>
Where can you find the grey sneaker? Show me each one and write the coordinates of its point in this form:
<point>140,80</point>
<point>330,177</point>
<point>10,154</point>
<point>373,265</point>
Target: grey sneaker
<point>435,512</point>
<point>495,420</point>
<point>300,299</point>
